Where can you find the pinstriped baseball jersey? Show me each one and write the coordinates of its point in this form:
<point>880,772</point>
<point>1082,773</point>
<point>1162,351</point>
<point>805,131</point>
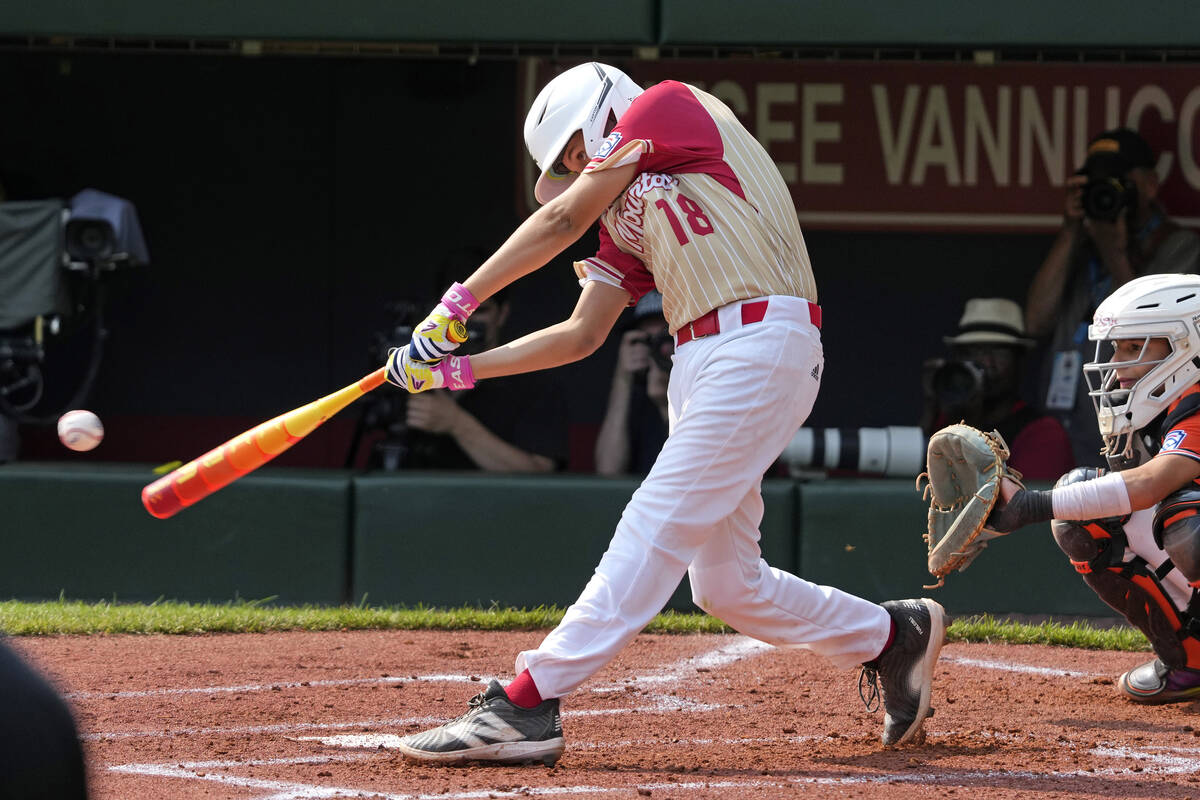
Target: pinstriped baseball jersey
<point>708,220</point>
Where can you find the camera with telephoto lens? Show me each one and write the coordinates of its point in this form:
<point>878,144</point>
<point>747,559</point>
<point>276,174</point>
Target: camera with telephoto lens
<point>894,451</point>
<point>1107,193</point>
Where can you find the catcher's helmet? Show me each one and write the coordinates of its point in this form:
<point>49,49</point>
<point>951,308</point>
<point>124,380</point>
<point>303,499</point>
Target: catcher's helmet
<point>1151,307</point>
<point>583,98</point>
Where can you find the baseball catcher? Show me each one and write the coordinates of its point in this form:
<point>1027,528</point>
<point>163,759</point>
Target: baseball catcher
<point>1133,531</point>
<point>965,471</point>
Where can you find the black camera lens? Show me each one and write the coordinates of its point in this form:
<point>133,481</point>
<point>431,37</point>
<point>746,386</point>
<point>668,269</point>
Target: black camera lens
<point>957,384</point>
<point>662,347</point>
<point>90,238</point>
<point>1105,198</point>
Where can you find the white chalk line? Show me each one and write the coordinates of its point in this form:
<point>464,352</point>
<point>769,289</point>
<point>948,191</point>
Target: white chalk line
<point>665,704</point>
<point>734,651</point>
<point>1013,666</point>
<point>1148,762</point>
<point>673,673</point>
<point>275,687</point>
<point>391,741</point>
<point>737,650</point>
<point>255,729</point>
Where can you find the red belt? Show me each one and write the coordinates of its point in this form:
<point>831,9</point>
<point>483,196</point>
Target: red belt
<point>752,312</point>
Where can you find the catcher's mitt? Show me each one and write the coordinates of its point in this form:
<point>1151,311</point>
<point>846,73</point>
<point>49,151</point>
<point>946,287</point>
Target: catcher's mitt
<point>964,469</point>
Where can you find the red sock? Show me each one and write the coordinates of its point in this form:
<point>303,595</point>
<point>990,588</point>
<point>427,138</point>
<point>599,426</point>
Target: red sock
<point>891,637</point>
<point>523,692</point>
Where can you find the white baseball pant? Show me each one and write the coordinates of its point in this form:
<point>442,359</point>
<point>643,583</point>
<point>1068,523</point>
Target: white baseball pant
<point>735,398</point>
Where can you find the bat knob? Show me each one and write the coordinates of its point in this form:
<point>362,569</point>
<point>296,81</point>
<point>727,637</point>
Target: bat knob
<point>457,331</point>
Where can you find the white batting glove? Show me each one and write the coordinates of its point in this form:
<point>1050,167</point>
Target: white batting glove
<point>453,372</point>
<point>440,333</point>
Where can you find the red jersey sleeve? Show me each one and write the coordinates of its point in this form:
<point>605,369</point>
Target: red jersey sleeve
<point>615,266</point>
<point>670,132</point>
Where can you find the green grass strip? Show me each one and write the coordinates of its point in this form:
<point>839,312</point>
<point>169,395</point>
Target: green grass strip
<point>242,616</point>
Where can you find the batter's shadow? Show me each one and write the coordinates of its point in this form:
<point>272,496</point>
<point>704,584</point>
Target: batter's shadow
<point>900,757</point>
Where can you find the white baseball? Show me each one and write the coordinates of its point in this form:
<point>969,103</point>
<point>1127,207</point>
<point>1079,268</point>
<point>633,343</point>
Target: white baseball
<point>80,430</point>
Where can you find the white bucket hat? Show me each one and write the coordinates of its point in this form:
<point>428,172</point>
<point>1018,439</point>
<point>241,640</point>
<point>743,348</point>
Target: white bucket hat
<point>991,320</point>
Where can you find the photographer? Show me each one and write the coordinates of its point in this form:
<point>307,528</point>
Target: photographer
<point>980,384</point>
<point>514,425</point>
<point>635,422</point>
<point>1113,231</point>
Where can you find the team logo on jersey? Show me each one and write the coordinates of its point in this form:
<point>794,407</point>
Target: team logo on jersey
<point>629,218</point>
<point>1174,440</point>
<point>608,144</point>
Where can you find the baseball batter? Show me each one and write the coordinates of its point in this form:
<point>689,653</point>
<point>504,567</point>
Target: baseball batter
<point>692,205</point>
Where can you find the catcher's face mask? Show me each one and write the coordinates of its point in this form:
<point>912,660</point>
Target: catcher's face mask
<point>1128,384</point>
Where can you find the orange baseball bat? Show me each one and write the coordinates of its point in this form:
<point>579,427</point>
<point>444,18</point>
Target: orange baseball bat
<point>248,451</point>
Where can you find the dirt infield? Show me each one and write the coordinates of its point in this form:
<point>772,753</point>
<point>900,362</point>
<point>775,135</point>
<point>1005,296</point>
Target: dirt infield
<point>317,715</point>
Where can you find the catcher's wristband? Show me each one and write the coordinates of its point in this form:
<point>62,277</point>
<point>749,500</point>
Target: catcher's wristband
<point>1106,496</point>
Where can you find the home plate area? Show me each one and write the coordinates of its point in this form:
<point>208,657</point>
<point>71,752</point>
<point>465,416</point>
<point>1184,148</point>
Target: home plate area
<point>319,715</point>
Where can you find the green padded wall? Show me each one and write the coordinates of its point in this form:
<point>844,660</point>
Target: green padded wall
<point>515,540</point>
<point>81,530</point>
<point>864,536</point>
<point>512,541</point>
<point>946,23</point>
<point>623,21</point>
<point>917,23</point>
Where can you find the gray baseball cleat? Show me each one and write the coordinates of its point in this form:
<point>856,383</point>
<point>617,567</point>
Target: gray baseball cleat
<point>493,730</point>
<point>906,669</point>
<point>1154,683</point>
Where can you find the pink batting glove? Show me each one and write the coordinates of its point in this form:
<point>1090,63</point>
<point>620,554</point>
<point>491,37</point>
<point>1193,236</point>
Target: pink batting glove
<point>412,375</point>
<point>459,301</point>
<point>435,338</point>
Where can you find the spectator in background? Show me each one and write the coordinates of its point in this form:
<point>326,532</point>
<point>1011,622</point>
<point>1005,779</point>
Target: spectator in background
<point>635,422</point>
<point>980,384</point>
<point>1113,230</point>
<point>512,425</point>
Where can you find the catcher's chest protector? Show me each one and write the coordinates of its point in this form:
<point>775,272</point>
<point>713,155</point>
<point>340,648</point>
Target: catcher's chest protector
<point>1133,588</point>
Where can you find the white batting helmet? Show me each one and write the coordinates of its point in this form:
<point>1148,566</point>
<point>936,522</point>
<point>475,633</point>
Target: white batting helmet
<point>1150,307</point>
<point>581,99</point>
